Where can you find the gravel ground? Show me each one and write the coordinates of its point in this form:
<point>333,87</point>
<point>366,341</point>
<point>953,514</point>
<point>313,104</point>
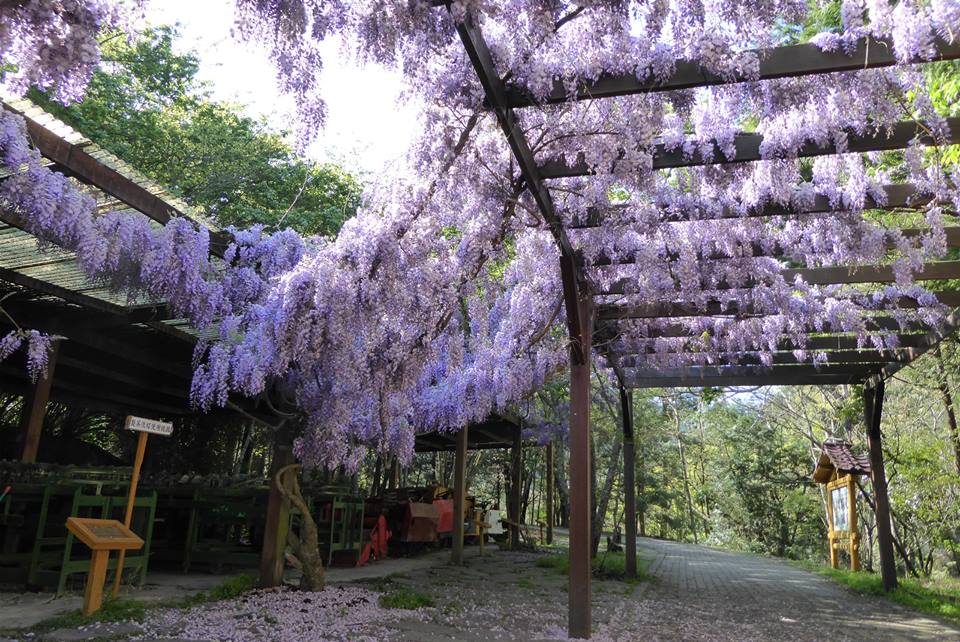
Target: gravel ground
<point>695,593</point>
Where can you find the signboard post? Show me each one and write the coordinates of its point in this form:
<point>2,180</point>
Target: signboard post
<point>145,427</point>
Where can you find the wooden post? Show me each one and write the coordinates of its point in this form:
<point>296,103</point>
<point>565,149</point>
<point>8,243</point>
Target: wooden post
<point>831,535</point>
<point>873,412</point>
<point>131,498</point>
<point>459,496</point>
<point>854,530</point>
<point>629,484</point>
<point>550,491</point>
<point>93,593</point>
<point>35,409</point>
<point>516,488</point>
<point>277,522</point>
<point>578,607</point>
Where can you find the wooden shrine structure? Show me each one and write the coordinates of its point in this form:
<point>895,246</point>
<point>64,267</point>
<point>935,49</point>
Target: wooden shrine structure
<point>597,319</point>
<point>837,469</point>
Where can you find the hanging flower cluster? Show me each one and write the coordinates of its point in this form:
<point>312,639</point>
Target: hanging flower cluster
<point>440,301</point>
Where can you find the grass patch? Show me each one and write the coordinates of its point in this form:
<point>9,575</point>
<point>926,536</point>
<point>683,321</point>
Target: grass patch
<point>926,597</point>
<point>525,583</point>
<point>606,566</point>
<point>404,598</point>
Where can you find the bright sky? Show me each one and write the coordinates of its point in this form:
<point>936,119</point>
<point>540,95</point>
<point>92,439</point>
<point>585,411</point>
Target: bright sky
<point>367,127</point>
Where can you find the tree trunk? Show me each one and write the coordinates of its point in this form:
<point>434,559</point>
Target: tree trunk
<point>603,497</point>
<point>306,546</point>
<point>944,384</point>
<point>686,478</point>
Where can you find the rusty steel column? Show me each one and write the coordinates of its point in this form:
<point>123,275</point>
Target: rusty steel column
<point>459,496</point>
<point>580,500</point>
<point>629,484</point>
<point>873,412</point>
<point>34,409</point>
<point>516,488</point>
<point>277,522</point>
<point>550,491</point>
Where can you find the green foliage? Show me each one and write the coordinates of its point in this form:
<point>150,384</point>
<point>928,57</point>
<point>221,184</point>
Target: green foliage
<point>146,105</point>
<point>233,587</point>
<point>405,598</point>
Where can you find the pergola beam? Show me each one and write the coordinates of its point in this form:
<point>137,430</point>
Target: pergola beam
<point>788,358</point>
<point>814,343</point>
<point>610,312</point>
<point>753,249</point>
<point>73,159</point>
<point>776,62</point>
<point>758,380</point>
<point>833,275</point>
<point>747,148</point>
<point>898,196</point>
<point>871,324</point>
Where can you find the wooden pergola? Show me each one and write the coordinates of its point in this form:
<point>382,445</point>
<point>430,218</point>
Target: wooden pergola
<point>115,355</point>
<point>596,320</point>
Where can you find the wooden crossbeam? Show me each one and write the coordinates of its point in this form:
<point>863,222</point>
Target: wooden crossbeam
<point>872,324</point>
<point>747,148</point>
<point>752,381</point>
<point>695,373</point>
<point>898,196</point>
<point>814,343</point>
<point>608,312</point>
<point>934,271</point>
<point>900,355</point>
<point>775,62</point>
<point>75,161</point>
<point>754,249</point>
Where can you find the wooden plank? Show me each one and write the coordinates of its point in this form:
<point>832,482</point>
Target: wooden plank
<point>692,374</point>
<point>609,312</point>
<point>788,358</point>
<point>34,409</point>
<point>82,165</point>
<point>839,275</point>
<point>276,521</point>
<point>679,330</point>
<point>837,342</point>
<point>753,249</point>
<point>898,196</point>
<point>746,381</point>
<point>774,62</point>
<point>747,149</point>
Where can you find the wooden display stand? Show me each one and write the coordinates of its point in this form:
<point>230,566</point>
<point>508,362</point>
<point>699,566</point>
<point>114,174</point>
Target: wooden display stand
<point>101,536</point>
<point>842,513</point>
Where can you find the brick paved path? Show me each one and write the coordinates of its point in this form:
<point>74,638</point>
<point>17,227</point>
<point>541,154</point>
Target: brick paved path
<point>774,600</point>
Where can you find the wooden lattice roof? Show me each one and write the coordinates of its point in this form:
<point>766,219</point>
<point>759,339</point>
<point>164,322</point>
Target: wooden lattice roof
<point>610,308</point>
<point>119,354</point>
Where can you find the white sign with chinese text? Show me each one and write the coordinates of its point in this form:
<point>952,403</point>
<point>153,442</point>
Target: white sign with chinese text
<point>151,426</point>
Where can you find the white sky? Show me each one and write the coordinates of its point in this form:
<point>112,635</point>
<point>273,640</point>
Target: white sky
<point>367,127</point>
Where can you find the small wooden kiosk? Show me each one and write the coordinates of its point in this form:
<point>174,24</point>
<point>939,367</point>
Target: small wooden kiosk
<point>838,468</point>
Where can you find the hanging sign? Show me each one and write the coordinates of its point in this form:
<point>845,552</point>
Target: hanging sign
<point>151,426</point>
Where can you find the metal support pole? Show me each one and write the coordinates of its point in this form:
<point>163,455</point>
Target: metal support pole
<point>550,492</point>
<point>459,496</point>
<point>580,501</point>
<point>277,522</point>
<point>35,409</point>
<point>516,488</point>
<point>629,484</point>
<point>873,411</point>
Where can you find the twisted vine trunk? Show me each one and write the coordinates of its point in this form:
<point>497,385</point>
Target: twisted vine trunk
<point>306,545</point>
